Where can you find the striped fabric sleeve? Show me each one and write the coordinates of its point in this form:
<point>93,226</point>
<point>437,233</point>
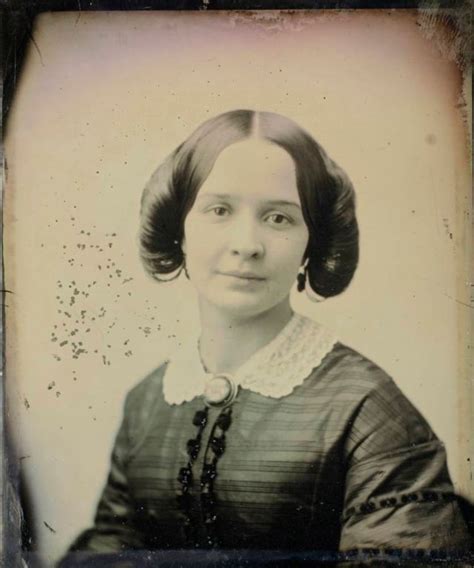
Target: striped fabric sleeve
<point>398,490</point>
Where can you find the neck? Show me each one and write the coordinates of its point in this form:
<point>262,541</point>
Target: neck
<point>227,341</point>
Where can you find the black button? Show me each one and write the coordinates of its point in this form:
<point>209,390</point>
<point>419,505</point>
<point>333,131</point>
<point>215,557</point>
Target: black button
<point>430,496</point>
<point>224,421</point>
<point>210,519</point>
<point>200,418</point>
<point>185,475</point>
<point>193,447</point>
<point>218,445</point>
<point>209,473</point>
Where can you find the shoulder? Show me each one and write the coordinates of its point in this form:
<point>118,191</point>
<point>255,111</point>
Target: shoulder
<point>344,368</point>
<point>145,394</point>
<point>316,350</point>
<point>378,414</point>
<point>141,402</point>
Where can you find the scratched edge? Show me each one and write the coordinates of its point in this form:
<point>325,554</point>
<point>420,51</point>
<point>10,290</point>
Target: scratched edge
<point>6,495</point>
<point>459,21</point>
<point>2,317</point>
<point>10,521</point>
<point>9,498</point>
<point>3,476</point>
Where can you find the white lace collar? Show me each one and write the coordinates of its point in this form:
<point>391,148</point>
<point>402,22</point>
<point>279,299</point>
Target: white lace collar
<point>274,370</point>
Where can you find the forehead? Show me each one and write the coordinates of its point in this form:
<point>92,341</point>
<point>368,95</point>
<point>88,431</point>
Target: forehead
<point>253,168</point>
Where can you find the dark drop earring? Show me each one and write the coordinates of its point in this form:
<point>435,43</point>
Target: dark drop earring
<point>301,284</point>
<point>301,278</point>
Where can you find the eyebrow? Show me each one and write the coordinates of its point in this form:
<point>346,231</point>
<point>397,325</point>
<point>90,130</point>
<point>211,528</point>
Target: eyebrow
<point>284,202</point>
<point>275,202</point>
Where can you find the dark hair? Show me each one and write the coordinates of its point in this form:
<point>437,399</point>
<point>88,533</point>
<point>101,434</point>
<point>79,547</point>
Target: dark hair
<point>325,191</point>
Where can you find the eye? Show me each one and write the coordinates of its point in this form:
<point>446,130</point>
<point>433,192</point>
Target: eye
<point>278,219</point>
<point>220,210</point>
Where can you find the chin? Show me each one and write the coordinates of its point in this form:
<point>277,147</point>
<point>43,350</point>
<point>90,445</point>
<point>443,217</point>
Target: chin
<point>242,305</point>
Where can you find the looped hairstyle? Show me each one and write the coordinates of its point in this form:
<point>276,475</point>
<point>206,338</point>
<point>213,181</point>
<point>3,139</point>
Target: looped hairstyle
<point>326,194</point>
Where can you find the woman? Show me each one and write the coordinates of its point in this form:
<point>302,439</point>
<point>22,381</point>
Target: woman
<point>265,432</point>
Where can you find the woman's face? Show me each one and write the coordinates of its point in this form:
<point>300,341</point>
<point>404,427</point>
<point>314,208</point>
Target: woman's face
<point>245,235</point>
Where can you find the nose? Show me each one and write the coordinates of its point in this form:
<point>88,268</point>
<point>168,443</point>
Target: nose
<point>246,240</point>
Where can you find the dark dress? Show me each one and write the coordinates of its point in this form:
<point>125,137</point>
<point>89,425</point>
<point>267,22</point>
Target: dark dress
<point>345,461</point>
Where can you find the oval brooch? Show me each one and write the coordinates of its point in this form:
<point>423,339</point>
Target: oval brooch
<point>220,391</point>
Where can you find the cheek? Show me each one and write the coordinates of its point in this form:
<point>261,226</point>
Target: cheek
<point>196,251</point>
<point>289,269</point>
<point>289,254</point>
<point>199,248</point>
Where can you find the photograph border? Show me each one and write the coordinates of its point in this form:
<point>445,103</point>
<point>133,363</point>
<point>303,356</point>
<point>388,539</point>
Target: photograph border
<point>17,34</point>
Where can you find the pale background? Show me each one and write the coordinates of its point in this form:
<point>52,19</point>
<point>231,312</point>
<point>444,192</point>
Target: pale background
<point>104,97</point>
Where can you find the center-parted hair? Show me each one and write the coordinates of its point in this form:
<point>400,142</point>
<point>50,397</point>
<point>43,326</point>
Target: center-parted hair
<point>326,194</point>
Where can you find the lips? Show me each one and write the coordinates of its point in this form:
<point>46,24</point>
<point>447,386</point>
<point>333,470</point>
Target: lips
<point>242,275</point>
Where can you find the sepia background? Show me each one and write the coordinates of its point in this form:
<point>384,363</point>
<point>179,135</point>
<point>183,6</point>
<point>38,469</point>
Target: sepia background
<point>104,97</point>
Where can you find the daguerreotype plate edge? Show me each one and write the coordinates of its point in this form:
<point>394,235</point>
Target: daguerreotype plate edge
<point>18,17</point>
